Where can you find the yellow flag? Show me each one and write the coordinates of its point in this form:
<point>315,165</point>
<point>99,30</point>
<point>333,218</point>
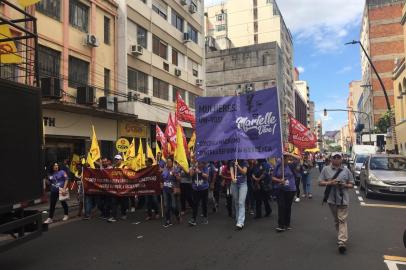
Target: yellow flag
<point>94,152</point>
<point>75,160</point>
<point>27,3</point>
<point>8,49</point>
<point>192,142</point>
<point>140,156</point>
<point>150,154</point>
<point>131,150</point>
<point>157,149</point>
<point>180,151</point>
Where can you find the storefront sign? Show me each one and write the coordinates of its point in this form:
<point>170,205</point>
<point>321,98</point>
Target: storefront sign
<point>132,129</point>
<point>122,145</point>
<point>49,121</point>
<point>122,182</point>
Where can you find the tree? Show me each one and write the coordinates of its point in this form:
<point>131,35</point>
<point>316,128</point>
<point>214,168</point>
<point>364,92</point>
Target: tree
<point>383,123</point>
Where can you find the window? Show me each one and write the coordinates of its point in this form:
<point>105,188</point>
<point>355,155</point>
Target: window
<point>193,67</point>
<point>78,72</point>
<point>220,27</point>
<point>161,89</point>
<point>137,81</point>
<point>159,47</point>
<point>49,62</point>
<point>177,21</point>
<point>192,99</point>
<point>142,36</point>
<point>220,17</point>
<point>177,90</point>
<point>106,30</point>
<point>192,33</point>
<point>161,8</point>
<point>175,57</point>
<point>51,8</point>
<point>78,15</point>
<point>106,81</point>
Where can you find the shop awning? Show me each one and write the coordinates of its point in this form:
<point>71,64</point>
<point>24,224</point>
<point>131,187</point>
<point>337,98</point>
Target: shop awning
<point>87,110</point>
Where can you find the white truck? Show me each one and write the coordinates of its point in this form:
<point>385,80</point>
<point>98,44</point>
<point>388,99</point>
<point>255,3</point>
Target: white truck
<point>359,154</point>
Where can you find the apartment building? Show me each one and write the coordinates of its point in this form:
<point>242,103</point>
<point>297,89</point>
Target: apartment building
<point>304,90</point>
<point>354,119</point>
<point>161,53</point>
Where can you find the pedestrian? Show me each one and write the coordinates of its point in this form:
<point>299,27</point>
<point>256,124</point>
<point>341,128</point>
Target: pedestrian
<point>239,190</point>
<point>216,185</point>
<point>225,175</point>
<point>59,183</point>
<point>115,201</point>
<point>170,178</point>
<point>261,183</point>
<point>250,185</point>
<point>298,171</point>
<point>284,178</point>
<point>306,179</point>
<point>213,172</point>
<point>320,161</point>
<point>338,180</point>
<point>151,200</point>
<point>185,190</point>
<point>200,185</point>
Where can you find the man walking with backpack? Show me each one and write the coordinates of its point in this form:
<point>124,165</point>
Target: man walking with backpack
<point>338,180</point>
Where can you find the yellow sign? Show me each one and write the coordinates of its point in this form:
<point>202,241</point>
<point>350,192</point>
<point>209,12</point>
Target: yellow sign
<point>122,145</point>
<point>132,129</point>
<point>8,49</point>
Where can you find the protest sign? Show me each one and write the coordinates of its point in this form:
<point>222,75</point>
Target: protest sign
<point>238,127</point>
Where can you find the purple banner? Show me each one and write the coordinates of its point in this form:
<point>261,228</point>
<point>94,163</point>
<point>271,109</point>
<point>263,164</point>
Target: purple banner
<point>238,127</point>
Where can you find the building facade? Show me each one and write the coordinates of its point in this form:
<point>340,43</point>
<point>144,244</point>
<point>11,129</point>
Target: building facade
<point>304,90</point>
<point>399,85</point>
<point>382,37</point>
<point>354,95</point>
<point>301,108</point>
<point>310,113</point>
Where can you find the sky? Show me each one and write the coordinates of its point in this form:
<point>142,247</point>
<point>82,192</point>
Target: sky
<point>320,28</point>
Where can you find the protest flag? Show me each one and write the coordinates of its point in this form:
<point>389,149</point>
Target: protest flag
<point>183,113</point>
<point>192,142</point>
<point>94,152</point>
<point>27,3</point>
<point>140,158</point>
<point>75,161</point>
<point>150,153</point>
<point>170,131</point>
<point>180,151</point>
<point>8,49</point>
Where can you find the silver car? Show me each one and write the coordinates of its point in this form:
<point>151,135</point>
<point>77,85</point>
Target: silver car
<point>384,175</point>
<point>356,165</point>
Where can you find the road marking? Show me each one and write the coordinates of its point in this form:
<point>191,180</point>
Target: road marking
<point>357,192</point>
<point>362,203</point>
<point>384,205</point>
<point>394,258</point>
<point>360,199</point>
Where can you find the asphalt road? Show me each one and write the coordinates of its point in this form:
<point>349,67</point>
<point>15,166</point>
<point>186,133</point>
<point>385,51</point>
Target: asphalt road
<point>95,244</point>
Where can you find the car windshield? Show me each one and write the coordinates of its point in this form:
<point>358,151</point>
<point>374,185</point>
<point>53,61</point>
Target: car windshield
<point>388,163</point>
<point>360,159</point>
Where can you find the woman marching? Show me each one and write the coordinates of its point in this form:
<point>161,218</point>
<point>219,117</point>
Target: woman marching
<point>285,187</point>
<point>239,190</point>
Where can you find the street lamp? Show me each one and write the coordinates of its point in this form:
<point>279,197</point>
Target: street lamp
<point>392,119</point>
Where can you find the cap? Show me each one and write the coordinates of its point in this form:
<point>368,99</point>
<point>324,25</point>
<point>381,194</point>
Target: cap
<point>118,157</point>
<point>337,154</point>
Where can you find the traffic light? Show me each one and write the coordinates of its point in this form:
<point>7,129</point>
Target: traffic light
<point>325,112</point>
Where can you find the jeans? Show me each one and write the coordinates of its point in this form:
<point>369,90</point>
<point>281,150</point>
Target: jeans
<point>229,200</point>
<point>307,184</point>
<point>239,192</point>
<point>116,201</point>
<point>90,203</point>
<point>152,203</point>
<point>186,195</point>
<point>54,197</point>
<point>171,202</point>
<point>200,196</point>
<point>320,165</point>
<point>261,197</point>
<point>285,200</point>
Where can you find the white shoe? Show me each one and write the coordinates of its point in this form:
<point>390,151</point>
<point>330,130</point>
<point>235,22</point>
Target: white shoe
<point>48,221</point>
<point>297,200</point>
<point>123,217</point>
<point>65,218</point>
<point>132,210</point>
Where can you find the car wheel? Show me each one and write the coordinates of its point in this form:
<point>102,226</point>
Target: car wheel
<point>368,194</point>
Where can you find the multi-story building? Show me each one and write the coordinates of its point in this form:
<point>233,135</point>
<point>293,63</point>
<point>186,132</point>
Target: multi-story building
<point>304,90</point>
<point>238,23</point>
<point>382,37</point>
<point>78,72</point>
<point>399,85</point>
<point>301,108</point>
<point>161,54</point>
<point>354,95</point>
<point>319,134</point>
<point>310,113</point>
<point>345,139</point>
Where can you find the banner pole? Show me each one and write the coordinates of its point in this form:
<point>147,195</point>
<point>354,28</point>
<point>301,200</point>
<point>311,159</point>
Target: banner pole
<point>162,206</point>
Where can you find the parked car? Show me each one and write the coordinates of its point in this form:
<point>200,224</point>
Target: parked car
<point>384,175</point>
<point>356,165</point>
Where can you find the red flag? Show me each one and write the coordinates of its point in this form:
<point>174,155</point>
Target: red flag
<point>300,136</point>
<point>160,137</point>
<point>170,131</point>
<point>183,113</point>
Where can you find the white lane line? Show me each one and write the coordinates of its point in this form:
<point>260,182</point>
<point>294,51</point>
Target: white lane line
<point>357,191</point>
<point>360,199</point>
<point>362,203</point>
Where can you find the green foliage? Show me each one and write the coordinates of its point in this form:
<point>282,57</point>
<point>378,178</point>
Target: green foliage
<point>383,123</point>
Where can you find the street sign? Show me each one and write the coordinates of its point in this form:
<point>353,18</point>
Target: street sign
<point>122,145</point>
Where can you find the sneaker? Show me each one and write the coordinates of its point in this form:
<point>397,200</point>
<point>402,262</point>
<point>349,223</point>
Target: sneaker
<point>86,218</point>
<point>167,224</point>
<point>342,248</point>
<point>111,220</point>
<point>288,228</point>
<point>205,221</point>
<point>252,212</point>
<point>303,195</point>
<point>148,218</point>
<point>297,200</point>
<point>182,213</point>
<point>124,217</point>
<point>48,221</point>
<point>132,210</point>
<point>157,216</point>
<point>279,229</point>
<point>178,219</point>
<point>239,227</point>
<point>310,196</point>
<point>65,218</point>
<point>192,222</point>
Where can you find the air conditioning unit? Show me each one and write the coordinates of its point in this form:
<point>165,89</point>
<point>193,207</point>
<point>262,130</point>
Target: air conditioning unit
<point>51,88</point>
<point>147,100</point>
<point>109,103</point>
<point>192,9</point>
<point>137,50</point>
<point>178,72</point>
<point>186,37</point>
<point>92,40</point>
<point>183,2</point>
<point>85,95</point>
<point>199,82</point>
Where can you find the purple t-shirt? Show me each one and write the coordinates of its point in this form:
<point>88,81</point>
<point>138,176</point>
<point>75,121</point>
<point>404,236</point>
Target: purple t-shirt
<point>288,175</point>
<point>169,179</point>
<point>241,178</point>
<point>57,180</point>
<point>200,183</point>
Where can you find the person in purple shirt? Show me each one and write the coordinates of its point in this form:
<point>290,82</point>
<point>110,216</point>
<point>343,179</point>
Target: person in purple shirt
<point>285,186</point>
<point>200,185</point>
<point>170,181</point>
<point>239,190</point>
<point>59,182</point>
